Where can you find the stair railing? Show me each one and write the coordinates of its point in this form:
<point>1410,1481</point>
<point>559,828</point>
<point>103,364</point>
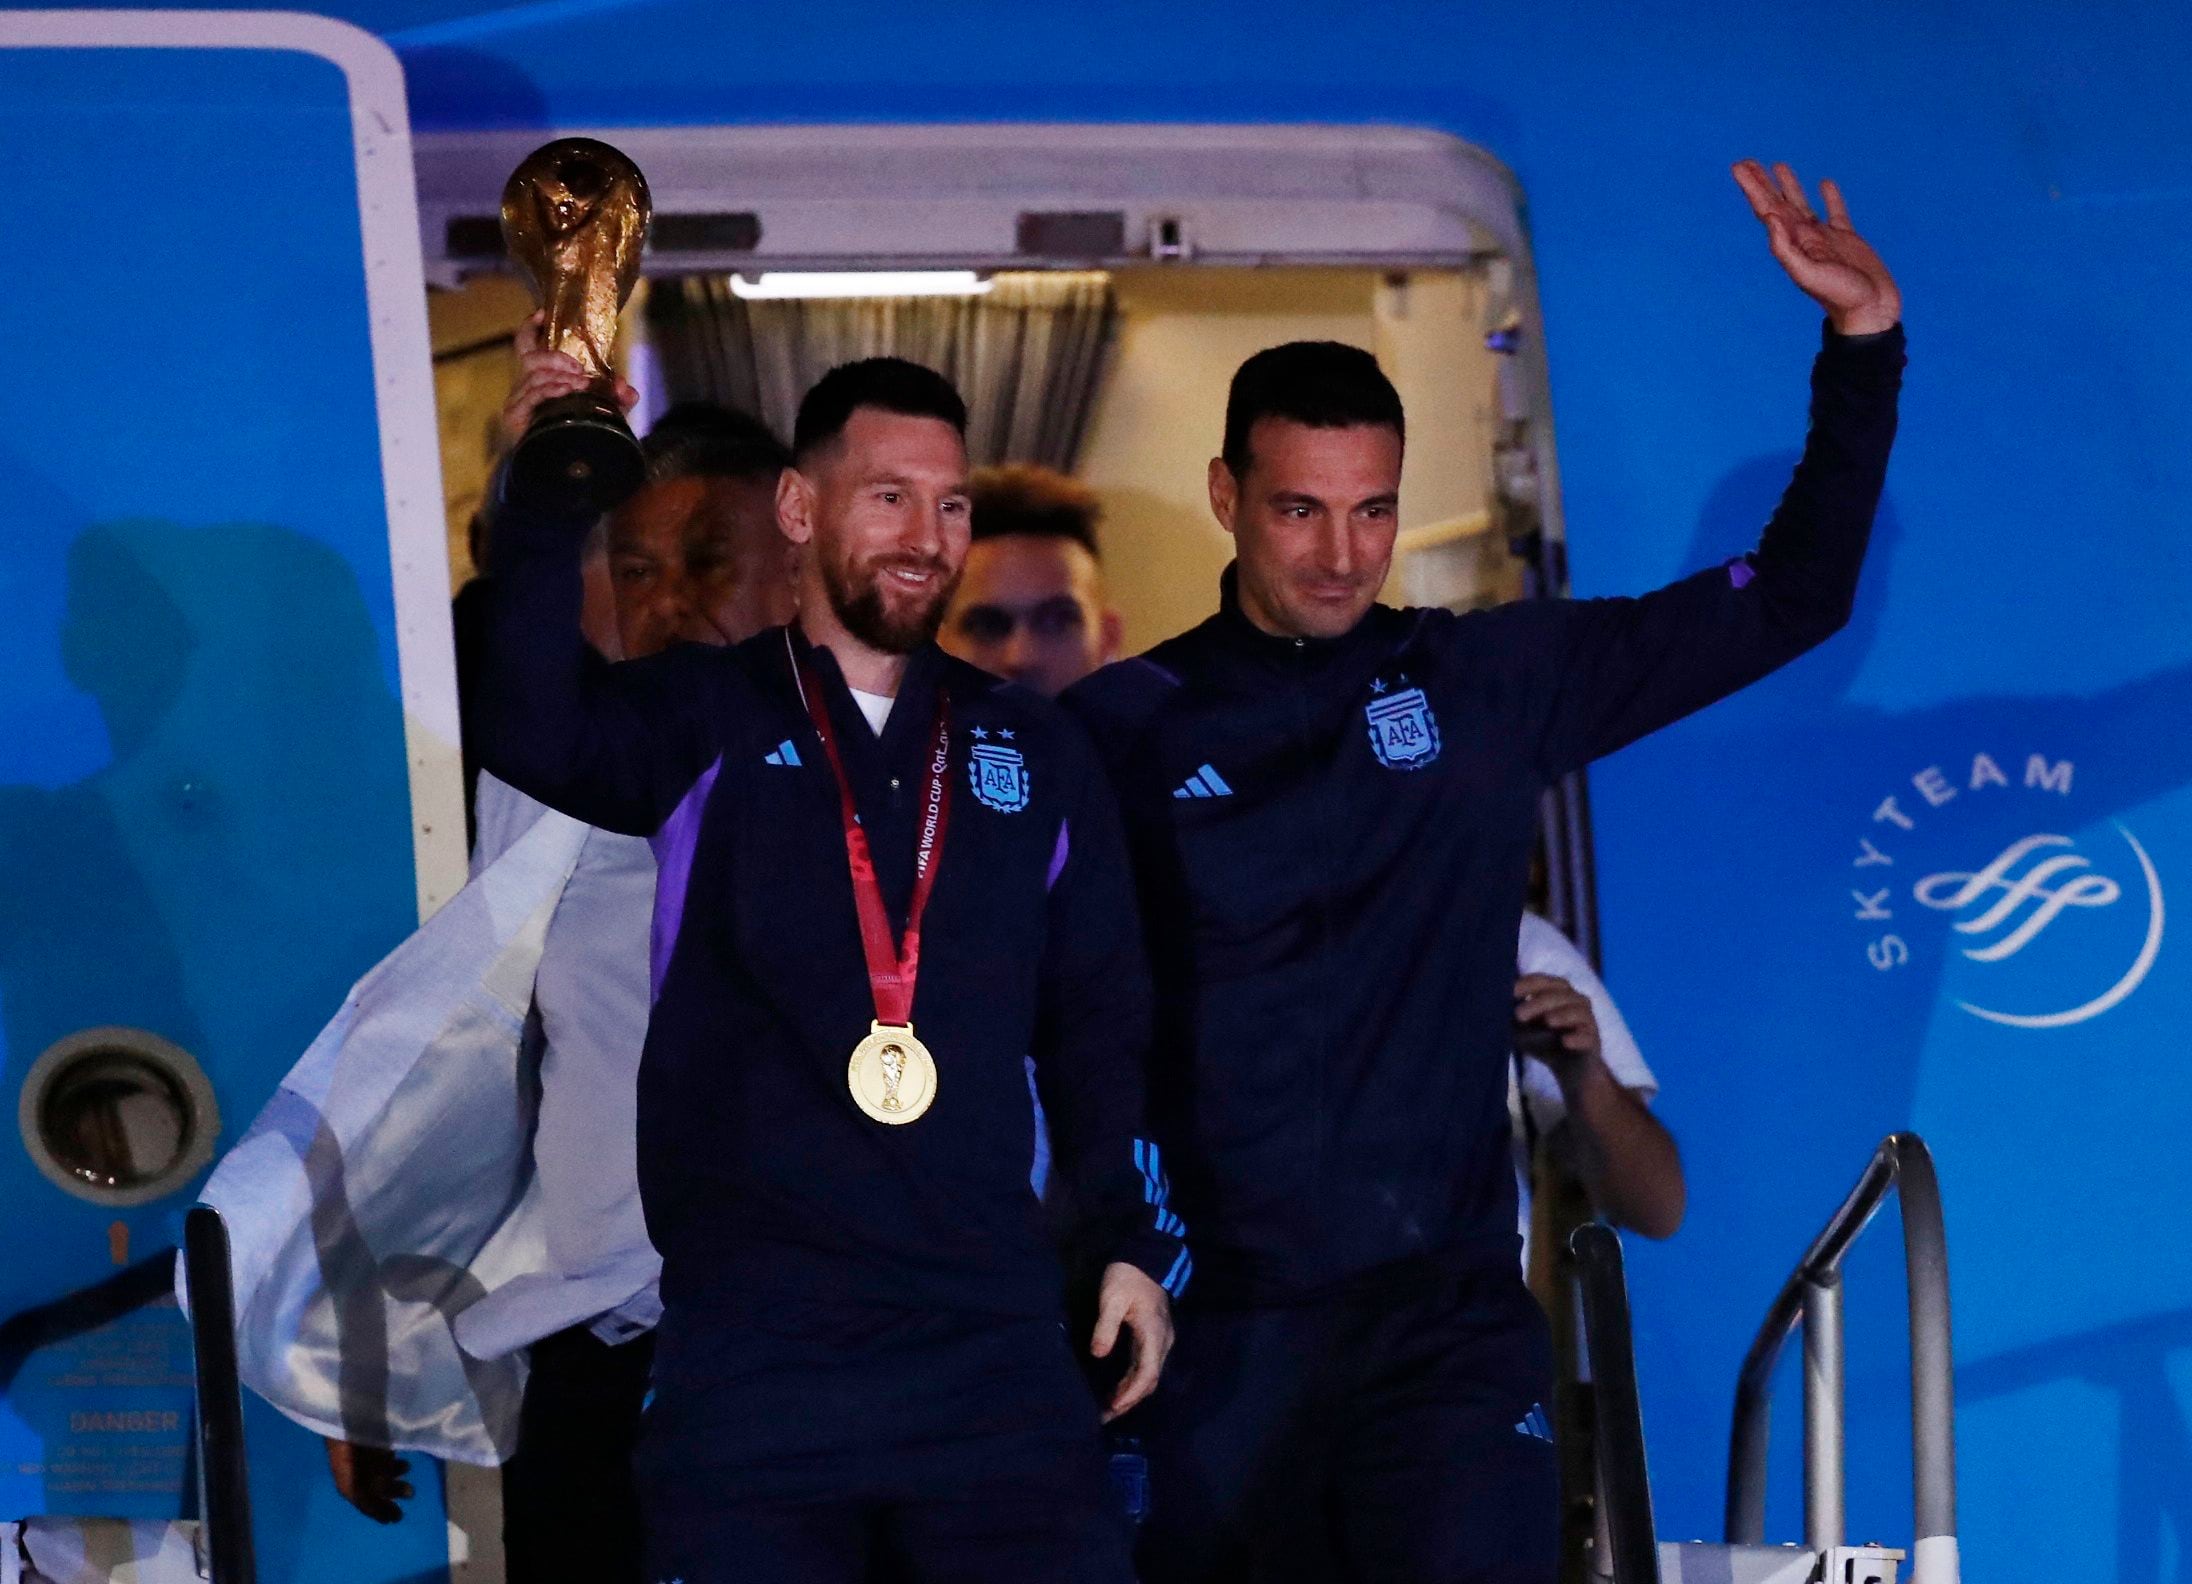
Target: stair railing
<point>1624,1483</point>
<point>1812,1298</point>
<point>224,1489</point>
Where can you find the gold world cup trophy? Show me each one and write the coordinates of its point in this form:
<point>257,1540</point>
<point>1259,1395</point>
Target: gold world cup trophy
<point>574,216</point>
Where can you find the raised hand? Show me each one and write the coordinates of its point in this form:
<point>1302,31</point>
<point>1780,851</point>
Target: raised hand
<point>542,376</point>
<point>1835,266</point>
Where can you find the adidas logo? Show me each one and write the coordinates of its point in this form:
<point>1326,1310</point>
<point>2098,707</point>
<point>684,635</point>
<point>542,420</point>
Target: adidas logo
<point>785,754</point>
<point>1205,782</point>
<point>1535,1425</point>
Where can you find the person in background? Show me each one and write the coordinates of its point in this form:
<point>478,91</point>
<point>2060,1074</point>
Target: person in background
<point>694,556</point>
<point>1030,606</point>
<point>467,615</point>
<point>1579,1083</point>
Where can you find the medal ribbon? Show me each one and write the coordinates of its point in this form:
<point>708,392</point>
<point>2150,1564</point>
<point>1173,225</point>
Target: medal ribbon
<point>892,965</point>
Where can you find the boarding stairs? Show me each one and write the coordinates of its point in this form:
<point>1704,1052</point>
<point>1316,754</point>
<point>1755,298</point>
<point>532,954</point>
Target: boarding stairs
<point>1627,1549</point>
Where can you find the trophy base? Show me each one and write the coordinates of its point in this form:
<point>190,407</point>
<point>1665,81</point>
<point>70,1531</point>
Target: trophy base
<point>578,454</point>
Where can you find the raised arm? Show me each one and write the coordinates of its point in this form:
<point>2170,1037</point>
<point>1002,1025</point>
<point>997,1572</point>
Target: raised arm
<point>1091,1041</point>
<point>613,745</point>
<point>1605,672</point>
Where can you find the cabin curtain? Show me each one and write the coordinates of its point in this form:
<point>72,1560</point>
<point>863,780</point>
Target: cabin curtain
<point>1027,355</point>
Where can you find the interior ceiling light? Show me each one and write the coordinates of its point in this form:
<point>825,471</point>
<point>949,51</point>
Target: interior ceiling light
<point>863,283</point>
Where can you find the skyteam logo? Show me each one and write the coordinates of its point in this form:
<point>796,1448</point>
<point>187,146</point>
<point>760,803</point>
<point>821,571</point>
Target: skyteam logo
<point>999,774</point>
<point>2037,879</point>
<point>2042,929</point>
<point>1403,731</point>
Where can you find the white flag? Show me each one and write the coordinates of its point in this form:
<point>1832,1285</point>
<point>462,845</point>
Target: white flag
<point>389,1184</point>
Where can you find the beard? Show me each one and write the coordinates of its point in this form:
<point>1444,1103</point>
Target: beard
<point>865,604</point>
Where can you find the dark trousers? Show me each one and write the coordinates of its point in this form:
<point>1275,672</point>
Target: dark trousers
<point>1389,1440</point>
<point>815,1444</point>
<point>570,1511</point>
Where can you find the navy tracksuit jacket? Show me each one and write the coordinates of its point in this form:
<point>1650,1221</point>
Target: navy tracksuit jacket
<point>1333,841</point>
<point>759,1176</point>
<point>1334,838</point>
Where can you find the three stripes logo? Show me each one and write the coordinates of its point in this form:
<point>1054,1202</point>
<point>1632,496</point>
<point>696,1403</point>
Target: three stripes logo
<point>1204,783</point>
<point>1156,1190</point>
<point>1535,1425</point>
<point>784,754</point>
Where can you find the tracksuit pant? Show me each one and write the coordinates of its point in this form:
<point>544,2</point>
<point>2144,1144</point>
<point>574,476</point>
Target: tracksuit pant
<point>1393,1439</point>
<point>569,1510</point>
<point>826,1444</point>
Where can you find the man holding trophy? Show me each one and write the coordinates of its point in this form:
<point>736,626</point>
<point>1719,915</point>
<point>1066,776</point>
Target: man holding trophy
<point>886,880</point>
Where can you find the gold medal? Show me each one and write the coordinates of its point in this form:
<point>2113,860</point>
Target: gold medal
<point>892,1075</point>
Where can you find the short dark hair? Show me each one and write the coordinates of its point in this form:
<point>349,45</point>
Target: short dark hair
<point>889,383</point>
<point>1041,502</point>
<point>1323,384</point>
<point>701,439</point>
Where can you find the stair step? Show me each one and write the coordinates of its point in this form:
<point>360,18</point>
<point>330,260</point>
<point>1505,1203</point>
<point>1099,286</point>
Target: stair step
<point>1704,1562</point>
<point>98,1551</point>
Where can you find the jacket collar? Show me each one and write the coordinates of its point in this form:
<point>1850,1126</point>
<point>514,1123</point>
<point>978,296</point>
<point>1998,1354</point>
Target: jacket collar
<point>1251,643</point>
<point>913,712</point>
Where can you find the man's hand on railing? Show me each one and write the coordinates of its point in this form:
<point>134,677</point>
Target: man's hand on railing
<point>1627,1160</point>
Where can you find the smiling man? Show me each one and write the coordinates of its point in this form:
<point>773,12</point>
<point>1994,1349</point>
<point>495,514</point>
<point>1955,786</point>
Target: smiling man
<point>885,880</point>
<point>1331,806</point>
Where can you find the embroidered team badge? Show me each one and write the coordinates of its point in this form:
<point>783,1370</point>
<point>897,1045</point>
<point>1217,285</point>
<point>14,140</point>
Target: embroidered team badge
<point>1000,777</point>
<point>1403,732</point>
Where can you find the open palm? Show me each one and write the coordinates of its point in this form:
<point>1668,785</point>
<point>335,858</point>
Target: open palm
<point>1835,266</point>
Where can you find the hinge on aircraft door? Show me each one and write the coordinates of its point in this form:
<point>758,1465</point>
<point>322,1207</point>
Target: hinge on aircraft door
<point>1515,482</point>
<point>1169,242</point>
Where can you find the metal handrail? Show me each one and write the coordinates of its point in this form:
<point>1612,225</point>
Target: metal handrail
<point>224,1489</point>
<point>1812,1295</point>
<point>1618,1443</point>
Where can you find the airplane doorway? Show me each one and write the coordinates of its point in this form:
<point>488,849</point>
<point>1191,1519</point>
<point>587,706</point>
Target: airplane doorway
<point>1211,241</point>
<point>1143,423</point>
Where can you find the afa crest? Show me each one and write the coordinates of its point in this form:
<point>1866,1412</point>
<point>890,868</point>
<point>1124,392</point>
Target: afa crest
<point>1403,731</point>
<point>1000,777</point>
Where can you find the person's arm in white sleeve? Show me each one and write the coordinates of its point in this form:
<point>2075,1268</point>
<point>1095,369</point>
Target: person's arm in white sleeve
<point>1627,1160</point>
<point>500,815</point>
